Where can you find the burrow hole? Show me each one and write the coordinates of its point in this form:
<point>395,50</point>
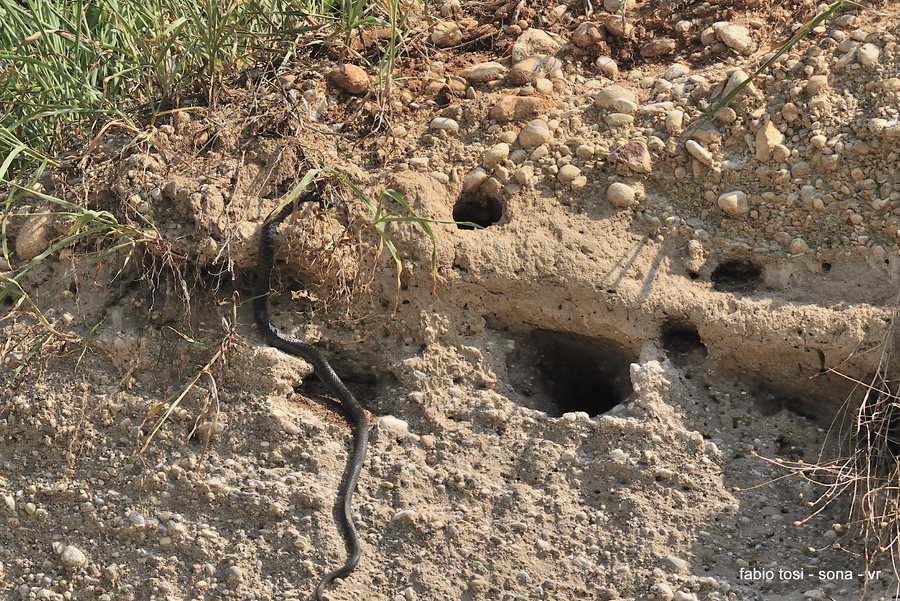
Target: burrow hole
<point>560,372</point>
<point>682,342</point>
<point>478,209</point>
<point>736,276</point>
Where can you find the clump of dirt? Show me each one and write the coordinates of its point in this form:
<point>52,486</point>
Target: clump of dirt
<point>574,403</point>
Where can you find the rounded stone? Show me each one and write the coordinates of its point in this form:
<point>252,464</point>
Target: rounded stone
<point>734,203</point>
<point>494,155</point>
<point>620,195</point>
<point>567,173</point>
<point>534,134</point>
<point>445,123</point>
<point>349,78</point>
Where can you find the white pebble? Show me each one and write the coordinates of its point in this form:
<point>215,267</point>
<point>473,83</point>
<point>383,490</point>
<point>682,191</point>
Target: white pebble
<point>393,425</point>
<point>620,195</point>
<point>445,124</point>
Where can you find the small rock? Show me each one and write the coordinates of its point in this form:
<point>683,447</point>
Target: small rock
<point>790,112</point>
<point>816,84</point>
<point>674,121</point>
<point>534,134</point>
<point>474,179</point>
<point>615,120</point>
<point>588,34</point>
<point>734,203</point>
<point>698,152</point>
<point>658,47</point>
<point>72,557</point>
<point>567,173</point>
<point>620,195</point>
<point>634,155</point>
<point>234,575</point>
<point>393,425</point>
<point>663,591</point>
<point>543,86</point>
<point>867,55</point>
<point>767,137</point>
<point>614,6</point>
<point>798,246</point>
<point>484,72</point>
<point>349,78</point>
<point>676,70</point>
<point>494,155</point>
<point>532,68</point>
<point>738,77</point>
<point>618,27</point>
<point>516,108</point>
<point>607,97</point>
<point>684,596</point>
<point>584,152</point>
<point>34,236</point>
<point>678,563</point>
<point>445,124</point>
<point>446,34</point>
<point>534,41</point>
<point>607,66</point>
<point>736,37</point>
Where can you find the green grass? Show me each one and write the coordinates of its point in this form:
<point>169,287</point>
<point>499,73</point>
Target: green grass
<point>67,66</point>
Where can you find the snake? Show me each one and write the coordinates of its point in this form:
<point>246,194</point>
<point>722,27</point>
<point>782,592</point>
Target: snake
<point>322,368</point>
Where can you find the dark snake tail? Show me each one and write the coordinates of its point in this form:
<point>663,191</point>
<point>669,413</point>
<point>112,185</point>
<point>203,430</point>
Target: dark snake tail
<point>326,374</point>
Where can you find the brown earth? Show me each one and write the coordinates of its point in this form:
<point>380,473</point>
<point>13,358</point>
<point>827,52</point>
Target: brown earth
<point>586,399</point>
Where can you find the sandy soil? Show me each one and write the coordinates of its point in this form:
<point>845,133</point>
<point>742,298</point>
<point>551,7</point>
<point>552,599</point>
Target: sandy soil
<point>586,399</point>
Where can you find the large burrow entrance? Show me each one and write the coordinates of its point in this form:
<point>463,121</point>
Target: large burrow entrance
<point>560,372</point>
<point>476,210</point>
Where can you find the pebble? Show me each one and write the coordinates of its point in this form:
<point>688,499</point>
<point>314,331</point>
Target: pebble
<point>71,556</point>
<point>798,246</point>
<point>620,195</point>
<point>584,151</point>
<point>678,563</point>
<point>495,155</point>
<point>474,179</point>
<point>674,121</point>
<point>816,84</point>
<point>767,137</point>
<point>515,108</point>
<point>737,77</point>
<point>658,47</point>
<point>736,37</point>
<point>867,55</point>
<point>446,34</point>
<point>34,236</point>
<point>615,120</point>
<point>530,69</point>
<point>534,41</point>
<point>234,575</point>
<point>734,203</point>
<point>634,155</point>
<point>676,70</point>
<point>684,596</point>
<point>607,66</point>
<point>588,34</point>
<point>534,134</point>
<point>349,78</point>
<point>567,173</point>
<point>790,112</point>
<point>445,124</point>
<point>615,6</point>
<point>484,72</point>
<point>608,96</point>
<point>663,591</point>
<point>393,425</point>
<point>698,152</point>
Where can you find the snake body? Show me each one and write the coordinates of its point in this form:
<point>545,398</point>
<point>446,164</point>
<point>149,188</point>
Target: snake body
<point>326,374</point>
